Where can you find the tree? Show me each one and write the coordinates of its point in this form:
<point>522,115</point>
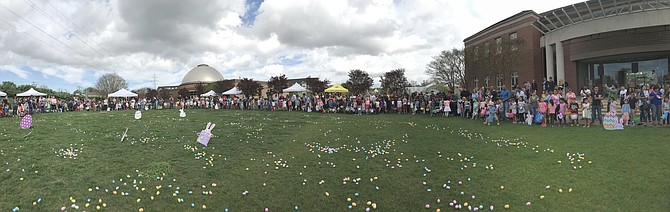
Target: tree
<point>199,88</point>
<point>110,83</point>
<point>209,87</point>
<point>394,82</point>
<point>278,83</point>
<point>9,88</point>
<point>448,68</point>
<point>359,82</point>
<point>316,86</point>
<point>249,87</point>
<point>164,94</point>
<point>183,92</point>
<point>151,93</point>
<point>223,86</point>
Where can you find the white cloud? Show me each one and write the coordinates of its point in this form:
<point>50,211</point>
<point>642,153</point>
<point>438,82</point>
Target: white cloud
<point>299,38</point>
<point>17,71</point>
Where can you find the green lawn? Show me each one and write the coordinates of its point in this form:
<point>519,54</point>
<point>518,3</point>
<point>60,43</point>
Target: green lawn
<point>397,162</point>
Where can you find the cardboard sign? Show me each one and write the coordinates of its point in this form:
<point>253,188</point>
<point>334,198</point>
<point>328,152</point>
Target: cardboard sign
<point>26,122</point>
<point>612,122</point>
<point>206,134</point>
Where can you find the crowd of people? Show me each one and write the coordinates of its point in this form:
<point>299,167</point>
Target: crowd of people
<point>556,106</point>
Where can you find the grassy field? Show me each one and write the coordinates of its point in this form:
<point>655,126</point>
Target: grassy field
<point>275,160</point>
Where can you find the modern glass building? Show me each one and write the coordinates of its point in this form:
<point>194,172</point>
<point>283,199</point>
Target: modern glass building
<point>600,42</point>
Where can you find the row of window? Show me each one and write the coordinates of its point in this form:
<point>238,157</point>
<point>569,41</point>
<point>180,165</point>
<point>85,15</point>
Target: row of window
<point>514,81</point>
<point>499,46</point>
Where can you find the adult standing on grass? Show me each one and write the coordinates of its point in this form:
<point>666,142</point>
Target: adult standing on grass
<point>504,95</point>
<point>655,95</point>
<point>644,104</point>
<point>596,101</point>
<point>632,101</point>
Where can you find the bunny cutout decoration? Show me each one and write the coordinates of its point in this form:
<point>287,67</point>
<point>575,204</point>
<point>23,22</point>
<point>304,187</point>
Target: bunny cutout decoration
<point>182,114</point>
<point>206,134</point>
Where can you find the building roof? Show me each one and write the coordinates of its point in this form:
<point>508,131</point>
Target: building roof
<point>590,10</point>
<point>501,23</point>
<point>202,74</point>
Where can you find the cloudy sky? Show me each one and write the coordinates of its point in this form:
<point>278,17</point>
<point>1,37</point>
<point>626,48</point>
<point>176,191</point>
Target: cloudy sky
<point>67,44</point>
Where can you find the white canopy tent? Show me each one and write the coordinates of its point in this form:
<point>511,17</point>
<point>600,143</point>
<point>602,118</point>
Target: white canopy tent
<point>31,92</point>
<point>122,93</point>
<point>233,91</point>
<point>3,93</point>
<point>210,93</point>
<point>295,88</point>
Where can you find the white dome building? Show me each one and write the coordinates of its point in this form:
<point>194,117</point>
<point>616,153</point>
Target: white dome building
<point>202,74</point>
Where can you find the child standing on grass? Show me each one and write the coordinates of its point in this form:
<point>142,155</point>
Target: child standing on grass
<point>542,110</point>
<point>482,108</point>
<point>467,106</point>
<point>459,106</point>
<point>586,111</point>
<point>521,109</point>
<point>562,108</point>
<point>625,111</point>
<point>552,112</point>
<point>666,111</point>
<point>491,114</point>
<point>475,108</point>
<point>574,113</point>
<point>446,107</point>
<point>612,105</point>
<point>512,111</point>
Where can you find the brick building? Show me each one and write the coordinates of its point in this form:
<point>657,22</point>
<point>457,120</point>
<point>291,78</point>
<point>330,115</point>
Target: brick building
<point>591,43</point>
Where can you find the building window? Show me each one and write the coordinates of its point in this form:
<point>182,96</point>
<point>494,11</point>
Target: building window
<point>512,37</point>
<point>487,81</point>
<point>476,52</point>
<point>515,79</point>
<point>476,82</point>
<point>499,82</point>
<point>498,45</point>
<point>486,49</point>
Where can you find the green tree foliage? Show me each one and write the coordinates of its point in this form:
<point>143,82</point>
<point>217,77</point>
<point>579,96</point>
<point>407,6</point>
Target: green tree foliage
<point>278,83</point>
<point>317,86</point>
<point>394,82</point>
<point>249,87</point>
<point>359,82</point>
